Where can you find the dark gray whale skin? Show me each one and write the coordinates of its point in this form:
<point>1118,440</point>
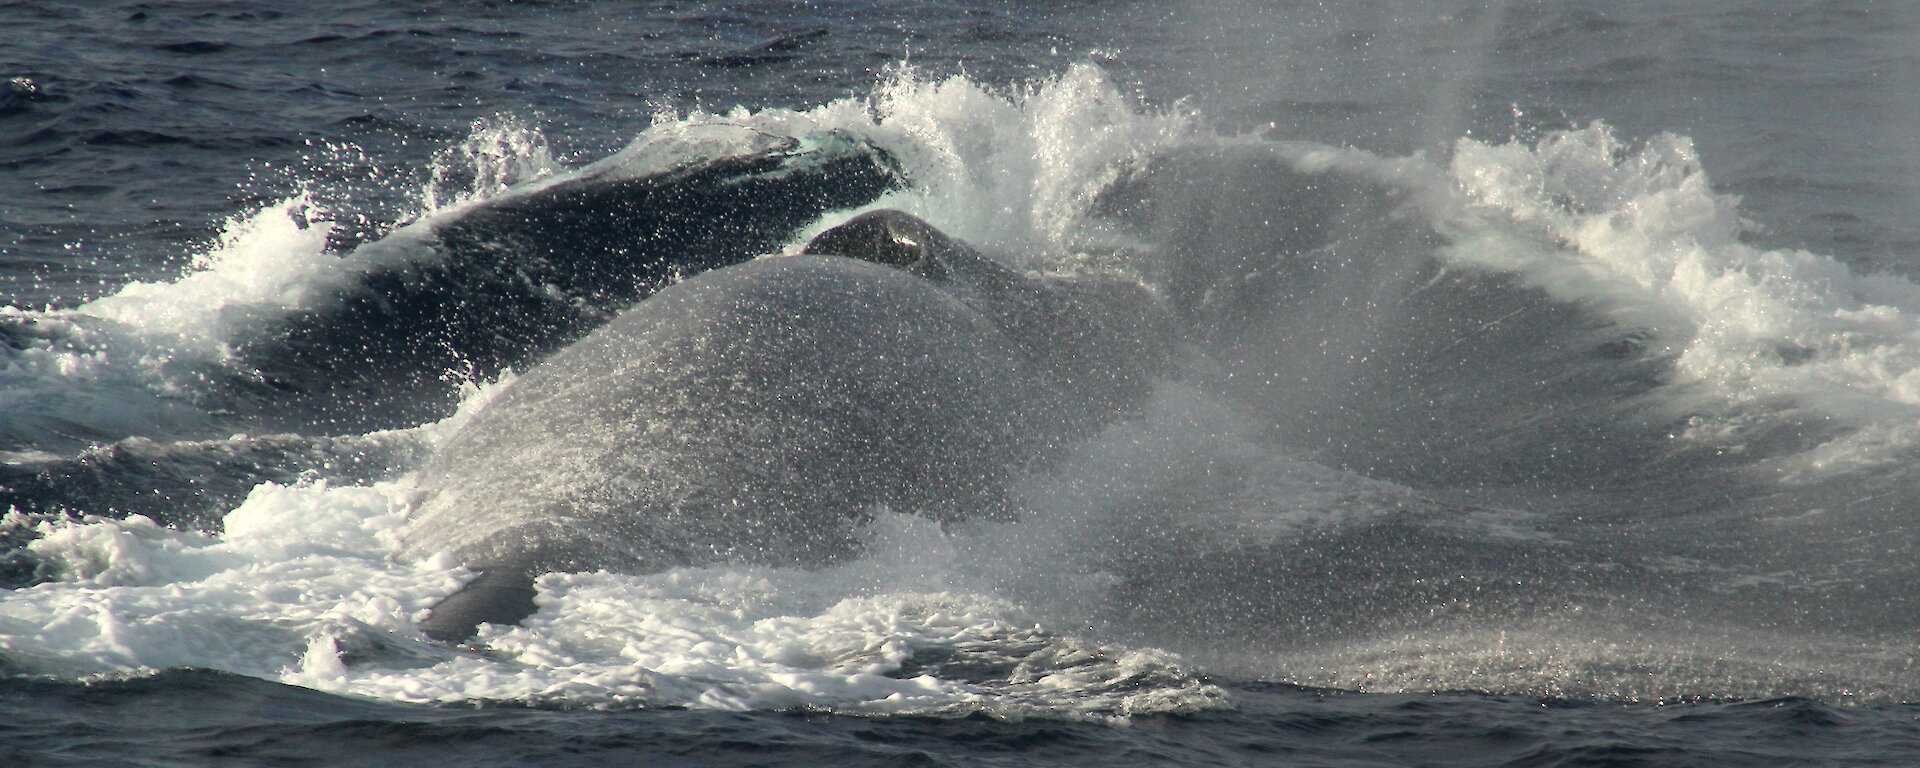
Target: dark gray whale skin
<point>761,412</point>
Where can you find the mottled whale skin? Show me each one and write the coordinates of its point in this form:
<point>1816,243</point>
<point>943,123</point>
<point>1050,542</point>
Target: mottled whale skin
<point>761,413</point>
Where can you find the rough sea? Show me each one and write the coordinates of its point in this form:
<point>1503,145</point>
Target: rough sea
<point>1547,394</point>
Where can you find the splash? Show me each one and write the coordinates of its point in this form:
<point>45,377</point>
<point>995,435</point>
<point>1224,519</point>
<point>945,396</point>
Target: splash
<point>153,357</point>
<point>496,156</point>
<point>1638,231</point>
<point>1017,173</point>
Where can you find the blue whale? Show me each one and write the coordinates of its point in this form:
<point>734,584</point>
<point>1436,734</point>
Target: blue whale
<point>762,412</point>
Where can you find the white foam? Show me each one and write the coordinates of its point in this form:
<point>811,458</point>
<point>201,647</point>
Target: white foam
<point>135,597</point>
<point>273,260</point>
<point>1638,232</point>
<point>301,588</point>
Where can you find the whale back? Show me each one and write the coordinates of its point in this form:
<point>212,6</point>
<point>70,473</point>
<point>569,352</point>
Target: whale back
<point>739,418</point>
<point>762,412</point>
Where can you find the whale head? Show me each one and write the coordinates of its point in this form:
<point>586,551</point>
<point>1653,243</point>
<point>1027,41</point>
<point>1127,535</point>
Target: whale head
<point>892,238</point>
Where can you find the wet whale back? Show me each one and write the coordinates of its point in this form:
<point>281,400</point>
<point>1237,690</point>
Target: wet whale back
<point>762,412</point>
<point>740,418</point>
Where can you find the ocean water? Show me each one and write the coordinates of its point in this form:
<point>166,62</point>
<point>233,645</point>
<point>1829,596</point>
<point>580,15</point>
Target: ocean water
<point>1548,389</point>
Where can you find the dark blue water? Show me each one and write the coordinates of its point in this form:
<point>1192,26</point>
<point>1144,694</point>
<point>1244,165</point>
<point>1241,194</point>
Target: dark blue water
<point>1560,573</point>
<point>199,718</point>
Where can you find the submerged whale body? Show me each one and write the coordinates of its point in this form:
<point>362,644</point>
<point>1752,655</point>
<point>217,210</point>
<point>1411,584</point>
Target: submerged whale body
<point>762,412</point>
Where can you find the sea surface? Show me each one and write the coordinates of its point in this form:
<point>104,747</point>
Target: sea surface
<point>1548,391</point>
